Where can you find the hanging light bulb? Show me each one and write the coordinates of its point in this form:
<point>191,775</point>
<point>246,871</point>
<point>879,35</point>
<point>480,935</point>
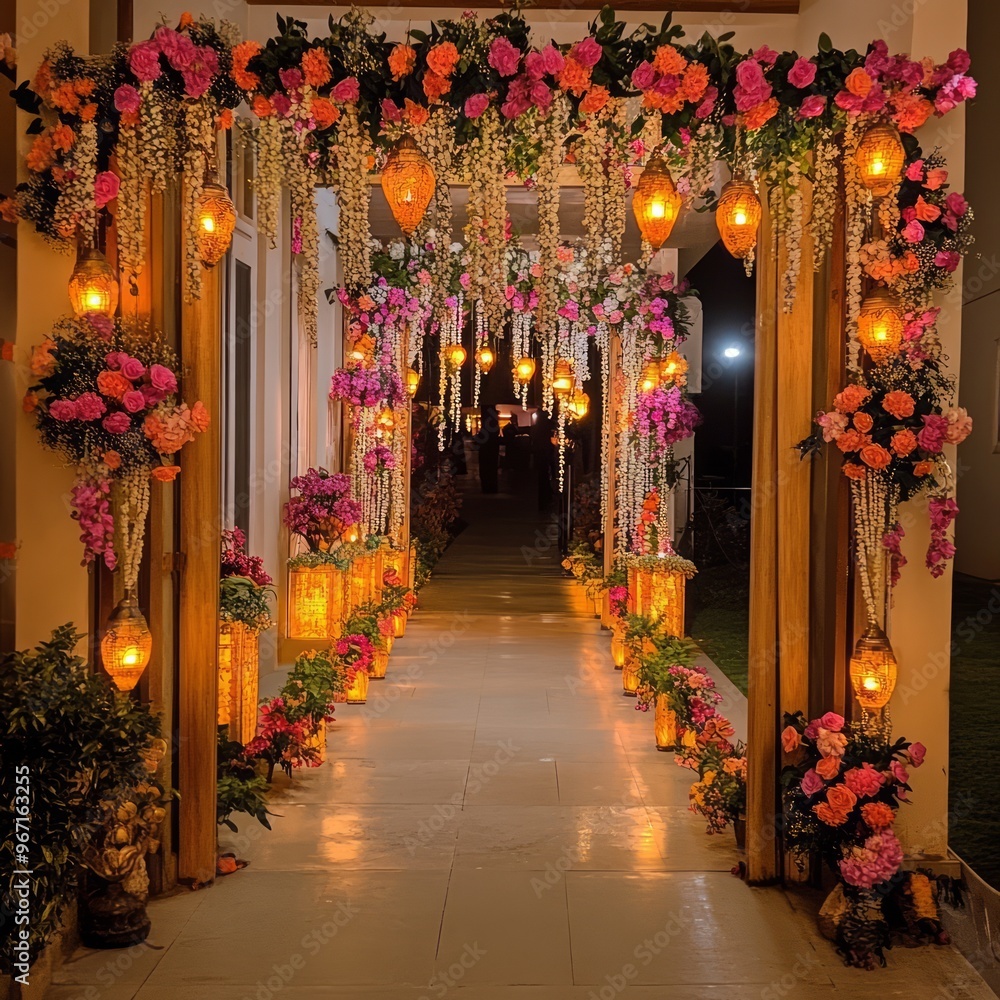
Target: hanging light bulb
<point>579,404</point>
<point>880,325</point>
<point>216,215</point>
<point>738,217</point>
<point>524,370</point>
<point>412,382</point>
<point>873,669</point>
<point>650,378</point>
<point>880,158</point>
<point>455,356</point>
<point>408,183</point>
<point>126,644</point>
<point>563,381</point>
<point>656,203</point>
<point>673,369</point>
<point>485,358</point>
<point>93,287</point>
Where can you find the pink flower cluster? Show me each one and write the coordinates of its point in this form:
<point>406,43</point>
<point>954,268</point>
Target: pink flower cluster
<point>377,459</point>
<point>91,503</point>
<point>875,862</point>
<point>371,387</point>
<point>665,415</point>
<point>198,65</point>
<point>942,511</point>
<point>356,650</point>
<point>236,561</point>
<point>322,497</point>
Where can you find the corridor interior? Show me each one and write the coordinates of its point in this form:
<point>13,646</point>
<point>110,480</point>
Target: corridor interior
<point>495,823</point>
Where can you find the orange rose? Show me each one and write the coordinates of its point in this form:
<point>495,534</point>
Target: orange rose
<point>442,58</point>
<point>878,815</point>
<point>875,456</point>
<point>242,54</point>
<point>435,86</point>
<point>695,82</point>
<point>112,459</point>
<point>402,61</point>
<point>574,77</point>
<point>324,112</point>
<point>926,212</point>
<point>851,397</point>
<point>114,385</point>
<point>859,82</point>
<point>41,156</point>
<point>761,114</point>
<point>668,61</point>
<point>852,440</point>
<point>840,800</point>
<point>316,67</point>
<point>225,120</point>
<point>262,107</point>
<point>200,418</point>
<point>854,471</point>
<point>903,442</point>
<point>863,421</point>
<point>8,210</point>
<point>828,767</point>
<point>898,404</point>
<point>165,473</point>
<point>415,114</point>
<point>923,468</point>
<point>594,100</point>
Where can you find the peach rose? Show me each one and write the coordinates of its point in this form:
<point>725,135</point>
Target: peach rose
<point>851,397</point>
<point>112,459</point>
<point>790,739</point>
<point>165,473</point>
<point>903,442</point>
<point>875,456</point>
<point>113,384</point>
<point>828,768</point>
<point>898,404</point>
<point>852,440</point>
<point>854,471</point>
<point>859,82</point>
<point>863,421</point>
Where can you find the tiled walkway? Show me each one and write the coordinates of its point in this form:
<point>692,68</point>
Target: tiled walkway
<point>494,824</point>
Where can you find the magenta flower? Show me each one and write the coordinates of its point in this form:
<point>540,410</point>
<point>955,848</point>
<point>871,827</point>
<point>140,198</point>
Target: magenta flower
<point>127,99</point>
<point>347,91</point>
<point>476,105</point>
<point>144,61</point>
<point>117,423</point>
<point>63,410</point>
<point>802,73</point>
<point>504,57</point>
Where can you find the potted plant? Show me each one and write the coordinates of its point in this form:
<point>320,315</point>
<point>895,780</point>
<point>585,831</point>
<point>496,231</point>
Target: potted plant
<point>638,637</point>
<point>658,684</point>
<point>282,741</point>
<point>720,793</point>
<point>370,621</point>
<point>310,692</point>
<point>354,653</point>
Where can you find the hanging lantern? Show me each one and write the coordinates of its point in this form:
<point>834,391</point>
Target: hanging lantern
<point>656,203</point>
<point>880,158</point>
<point>127,644</point>
<point>455,356</point>
<point>579,404</point>
<point>316,601</point>
<point>408,183</point>
<point>485,358</point>
<point>563,381</point>
<point>524,370</point>
<point>93,287</point>
<point>412,382</point>
<point>880,325</point>
<point>650,378</point>
<point>216,215</point>
<point>873,669</point>
<point>386,420</point>
<point>738,217</point>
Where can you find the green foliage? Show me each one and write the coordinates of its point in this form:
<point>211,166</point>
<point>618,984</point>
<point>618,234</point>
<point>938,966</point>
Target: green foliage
<point>240,788</point>
<point>80,743</point>
<point>311,685</point>
<point>242,600</point>
<point>669,651</point>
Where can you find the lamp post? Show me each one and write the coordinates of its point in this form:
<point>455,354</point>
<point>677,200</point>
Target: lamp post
<point>732,353</point>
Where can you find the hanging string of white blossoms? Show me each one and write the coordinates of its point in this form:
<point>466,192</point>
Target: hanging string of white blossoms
<point>199,128</point>
<point>634,476</point>
<point>552,132</point>
<point>452,320</point>
<point>824,196</point>
<point>858,201</point>
<point>76,209</point>
<point>131,509</point>
<point>354,194</point>
<point>479,312</point>
<point>520,346</point>
<point>875,500</point>
<point>602,340</point>
<point>561,422</point>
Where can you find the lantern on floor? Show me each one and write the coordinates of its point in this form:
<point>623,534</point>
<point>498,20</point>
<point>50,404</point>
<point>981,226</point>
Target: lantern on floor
<point>93,287</point>
<point>126,644</point>
<point>656,203</point>
<point>579,404</point>
<point>455,356</point>
<point>666,588</point>
<point>630,673</point>
<point>485,358</point>
<point>664,724</point>
<point>618,650</point>
<point>380,664</point>
<point>880,158</point>
<point>316,601</point>
<point>524,370</point>
<point>738,217</point>
<point>873,669</point>
<point>408,183</point>
<point>357,688</point>
<point>412,382</point>
<point>650,378</point>
<point>880,325</point>
<point>216,219</point>
<point>563,381</point>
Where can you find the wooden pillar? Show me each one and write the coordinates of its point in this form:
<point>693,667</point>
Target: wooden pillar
<point>201,508</point>
<point>762,710</point>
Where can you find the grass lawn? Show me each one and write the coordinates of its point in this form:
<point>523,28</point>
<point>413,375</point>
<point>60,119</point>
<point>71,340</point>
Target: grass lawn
<point>719,618</point>
<point>975,739</point>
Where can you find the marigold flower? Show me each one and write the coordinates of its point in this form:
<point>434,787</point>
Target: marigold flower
<point>242,54</point>
<point>442,58</point>
<point>695,82</point>
<point>316,67</point>
<point>760,114</point>
<point>574,77</point>
<point>594,100</point>
<point>41,156</point>
<point>668,61</point>
<point>402,61</point>
<point>165,473</point>
<point>262,107</point>
<point>854,471</point>
<point>435,86</point>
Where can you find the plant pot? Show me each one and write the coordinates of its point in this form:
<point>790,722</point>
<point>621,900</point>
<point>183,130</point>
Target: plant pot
<point>317,739</point>
<point>357,691</point>
<point>112,918</point>
<point>618,651</point>
<point>665,724</point>
<point>630,674</point>
<point>399,626</point>
<point>380,664</point>
<point>740,831</point>
<point>316,599</point>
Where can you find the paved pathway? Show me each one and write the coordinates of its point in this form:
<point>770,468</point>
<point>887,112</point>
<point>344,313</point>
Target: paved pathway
<point>495,824</point>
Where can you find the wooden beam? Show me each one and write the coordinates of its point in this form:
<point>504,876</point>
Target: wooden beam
<point>201,507</point>
<point>686,6</point>
<point>762,710</point>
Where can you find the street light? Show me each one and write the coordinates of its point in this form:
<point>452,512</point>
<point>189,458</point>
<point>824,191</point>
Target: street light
<point>731,352</point>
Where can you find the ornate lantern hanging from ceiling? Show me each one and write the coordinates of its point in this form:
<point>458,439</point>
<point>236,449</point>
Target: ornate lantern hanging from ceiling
<point>454,356</point>
<point>216,215</point>
<point>93,287</point>
<point>880,157</point>
<point>485,358</point>
<point>656,203</point>
<point>524,370</point>
<point>408,183</point>
<point>412,382</point>
<point>738,217</point>
<point>873,669</point>
<point>880,325</point>
<point>563,381</point>
<point>579,404</point>
<point>126,644</point>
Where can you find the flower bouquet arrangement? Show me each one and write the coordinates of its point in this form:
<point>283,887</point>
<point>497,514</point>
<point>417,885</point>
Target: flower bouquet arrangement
<point>656,676</point>
<point>313,684</point>
<point>374,622</point>
<point>283,736</point>
<point>245,586</point>
<point>354,651</point>
<point>720,793</point>
<point>106,401</point>
<point>323,512</point>
<point>841,793</point>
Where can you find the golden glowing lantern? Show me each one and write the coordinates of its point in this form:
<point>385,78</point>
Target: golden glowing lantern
<point>216,215</point>
<point>618,650</point>
<point>880,158</point>
<point>650,378</point>
<point>316,601</point>
<point>738,217</point>
<point>665,724</point>
<point>563,381</point>
<point>127,644</point>
<point>524,370</point>
<point>380,664</point>
<point>880,325</point>
<point>673,368</point>
<point>408,183</point>
<point>455,356</point>
<point>412,382</point>
<point>579,406</point>
<point>873,669</point>
<point>386,420</point>
<point>656,203</point>
<point>93,287</point>
<point>630,673</point>
<point>357,690</point>
<point>485,357</point>
<point>666,589</point>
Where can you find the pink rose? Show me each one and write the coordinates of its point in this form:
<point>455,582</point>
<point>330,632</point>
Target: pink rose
<point>956,204</point>
<point>915,171</point>
<point>936,178</point>
<point>115,359</point>
<point>102,325</point>
<point>832,721</point>
<point>899,772</point>
<point>63,409</point>
<point>134,401</point>
<point>811,782</point>
<point>643,75</point>
<point>552,60</point>
<point>790,739</point>
<point>106,186</point>
<point>541,95</point>
<point>127,99</point>
<point>144,60</point>
<point>812,730</point>
<point>117,423</point>
<point>347,91</point>
<point>802,73</point>
<point>959,61</point>
<point>587,52</point>
<point>864,781</point>
<point>916,753</point>
<point>830,744</point>
<point>504,57</point>
<point>152,395</point>
<point>707,105</point>
<point>162,378</point>
<point>391,111</point>
<point>90,406</point>
<point>812,106</point>
<point>913,232</point>
<point>947,259</point>
<point>133,369</point>
<point>932,436</point>
<point>766,55</point>
<point>476,105</point>
<point>751,87</point>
